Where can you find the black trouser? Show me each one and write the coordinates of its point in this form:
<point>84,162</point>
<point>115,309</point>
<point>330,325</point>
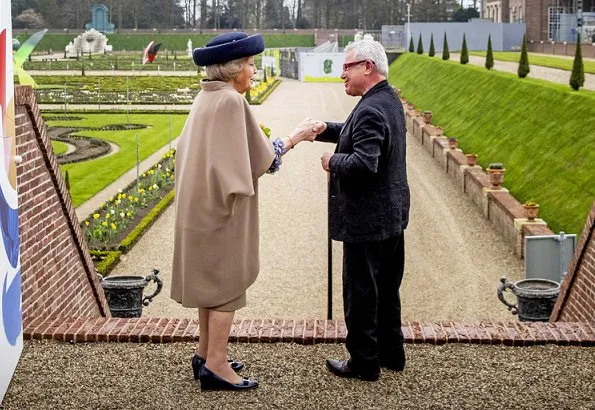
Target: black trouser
<point>372,274</point>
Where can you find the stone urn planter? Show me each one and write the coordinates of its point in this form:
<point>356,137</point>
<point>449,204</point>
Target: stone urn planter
<point>496,173</point>
<point>453,143</point>
<point>535,298</point>
<point>124,294</point>
<point>471,159</point>
<point>427,116</point>
<point>531,210</point>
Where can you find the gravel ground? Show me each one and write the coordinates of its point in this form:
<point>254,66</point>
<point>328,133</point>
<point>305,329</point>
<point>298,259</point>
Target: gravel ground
<point>62,376</point>
<point>454,256</point>
<point>544,73</point>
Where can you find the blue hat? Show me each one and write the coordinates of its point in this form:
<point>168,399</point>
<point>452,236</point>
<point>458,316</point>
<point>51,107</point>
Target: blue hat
<point>227,47</point>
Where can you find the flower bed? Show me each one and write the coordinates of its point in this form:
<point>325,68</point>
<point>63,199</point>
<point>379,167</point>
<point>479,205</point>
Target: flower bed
<point>118,224</point>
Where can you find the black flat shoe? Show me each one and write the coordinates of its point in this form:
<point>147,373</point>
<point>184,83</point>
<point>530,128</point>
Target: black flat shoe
<point>198,362</point>
<point>210,381</point>
<point>341,368</point>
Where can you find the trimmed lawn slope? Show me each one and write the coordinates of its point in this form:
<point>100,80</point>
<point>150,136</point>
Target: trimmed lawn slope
<point>544,133</point>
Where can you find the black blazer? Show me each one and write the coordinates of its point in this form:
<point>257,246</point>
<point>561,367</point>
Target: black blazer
<point>368,190</point>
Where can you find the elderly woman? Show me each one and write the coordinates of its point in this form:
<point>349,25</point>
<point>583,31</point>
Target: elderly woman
<point>221,153</point>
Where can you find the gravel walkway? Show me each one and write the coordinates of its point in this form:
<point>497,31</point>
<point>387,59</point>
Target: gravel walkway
<point>144,376</point>
<point>454,257</point>
<point>544,73</point>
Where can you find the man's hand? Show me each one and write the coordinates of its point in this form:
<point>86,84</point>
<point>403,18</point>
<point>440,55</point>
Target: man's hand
<point>325,160</point>
<point>304,131</point>
<point>319,127</point>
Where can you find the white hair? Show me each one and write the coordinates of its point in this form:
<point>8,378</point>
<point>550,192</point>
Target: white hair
<point>225,71</point>
<point>370,50</point>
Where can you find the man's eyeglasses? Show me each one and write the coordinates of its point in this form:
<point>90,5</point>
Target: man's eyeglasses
<point>346,66</point>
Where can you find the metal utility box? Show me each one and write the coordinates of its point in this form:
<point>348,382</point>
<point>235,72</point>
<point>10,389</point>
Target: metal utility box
<point>548,256</point>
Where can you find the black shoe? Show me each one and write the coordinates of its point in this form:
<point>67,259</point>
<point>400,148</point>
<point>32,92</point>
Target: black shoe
<point>198,362</point>
<point>341,368</point>
<point>210,381</point>
<point>395,362</point>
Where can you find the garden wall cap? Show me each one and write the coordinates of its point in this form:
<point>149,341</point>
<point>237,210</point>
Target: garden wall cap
<point>227,47</point>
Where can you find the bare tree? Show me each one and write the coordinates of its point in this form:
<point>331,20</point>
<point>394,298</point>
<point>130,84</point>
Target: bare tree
<point>30,19</point>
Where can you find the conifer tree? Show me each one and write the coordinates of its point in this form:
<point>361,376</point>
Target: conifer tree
<point>411,46</point>
<point>489,54</point>
<point>420,46</point>
<point>432,51</point>
<point>67,180</point>
<point>524,61</point>
<point>445,52</point>
<point>577,78</point>
<point>464,52</point>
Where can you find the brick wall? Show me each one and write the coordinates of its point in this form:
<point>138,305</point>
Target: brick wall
<point>498,206</point>
<point>568,49</point>
<point>58,276</point>
<point>577,294</point>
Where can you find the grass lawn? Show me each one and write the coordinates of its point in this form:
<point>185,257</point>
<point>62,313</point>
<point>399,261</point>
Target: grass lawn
<point>543,133</point>
<point>89,177</point>
<point>59,147</point>
<point>538,59</point>
<point>122,42</point>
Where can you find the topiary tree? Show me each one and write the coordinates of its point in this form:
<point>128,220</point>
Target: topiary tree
<point>411,46</point>
<point>420,46</point>
<point>489,54</point>
<point>524,61</point>
<point>464,52</point>
<point>432,51</point>
<point>67,180</point>
<point>577,78</point>
<point>445,52</point>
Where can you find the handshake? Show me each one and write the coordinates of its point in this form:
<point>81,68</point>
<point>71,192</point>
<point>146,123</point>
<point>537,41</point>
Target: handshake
<point>307,130</point>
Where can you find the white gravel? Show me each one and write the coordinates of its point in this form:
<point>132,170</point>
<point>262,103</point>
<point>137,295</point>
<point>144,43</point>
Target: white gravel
<point>454,256</point>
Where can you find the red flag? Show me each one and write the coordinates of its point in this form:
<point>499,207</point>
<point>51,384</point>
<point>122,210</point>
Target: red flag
<point>151,52</point>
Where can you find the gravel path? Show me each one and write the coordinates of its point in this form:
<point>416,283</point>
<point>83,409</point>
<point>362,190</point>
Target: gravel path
<point>143,376</point>
<point>454,257</point>
<point>545,73</point>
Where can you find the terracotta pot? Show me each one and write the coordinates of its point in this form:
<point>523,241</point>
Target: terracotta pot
<point>531,211</point>
<point>471,159</point>
<point>452,143</point>
<point>496,177</point>
<point>427,116</point>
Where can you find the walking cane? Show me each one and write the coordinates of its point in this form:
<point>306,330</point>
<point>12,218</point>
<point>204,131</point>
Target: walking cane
<point>329,301</point>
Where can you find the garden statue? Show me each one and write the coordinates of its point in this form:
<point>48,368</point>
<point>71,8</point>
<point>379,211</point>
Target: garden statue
<point>189,48</point>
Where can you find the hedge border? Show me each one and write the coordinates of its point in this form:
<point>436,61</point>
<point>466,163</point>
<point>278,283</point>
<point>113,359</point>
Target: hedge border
<point>145,223</point>
<point>112,258</point>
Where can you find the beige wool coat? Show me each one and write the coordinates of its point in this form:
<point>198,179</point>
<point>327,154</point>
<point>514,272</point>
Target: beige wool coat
<point>220,155</point>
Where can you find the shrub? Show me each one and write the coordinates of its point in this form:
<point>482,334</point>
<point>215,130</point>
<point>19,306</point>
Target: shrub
<point>420,46</point>
<point>445,52</point>
<point>524,61</point>
<point>577,78</point>
<point>411,46</point>
<point>489,55</point>
<point>432,51</point>
<point>496,165</point>
<point>464,51</point>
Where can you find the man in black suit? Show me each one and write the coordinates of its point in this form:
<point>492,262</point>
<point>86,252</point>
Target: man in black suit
<point>368,212</point>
